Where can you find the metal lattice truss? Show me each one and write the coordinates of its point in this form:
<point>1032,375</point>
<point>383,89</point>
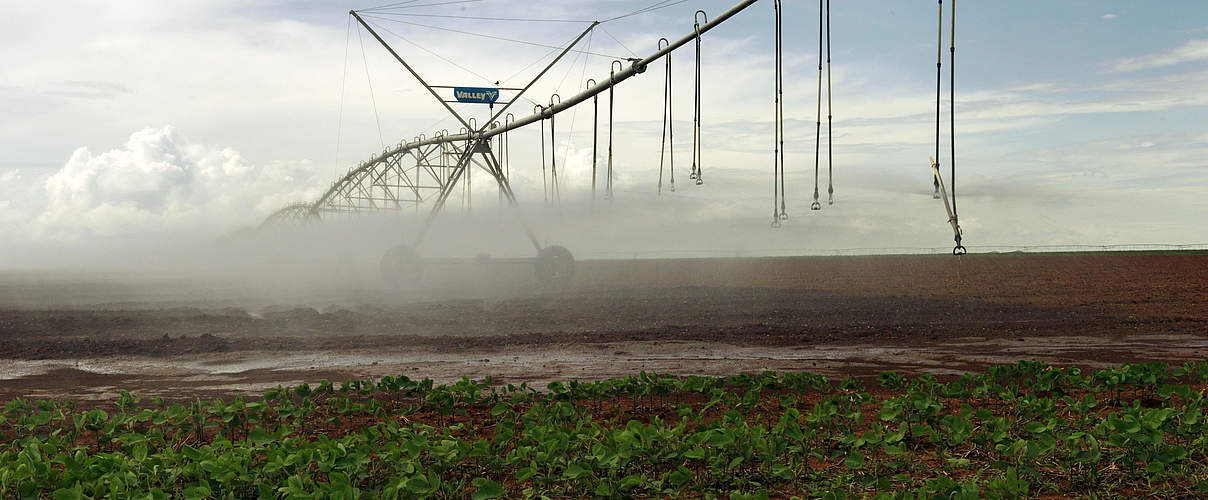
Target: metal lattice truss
<point>401,178</point>
<point>398,179</point>
<point>292,214</point>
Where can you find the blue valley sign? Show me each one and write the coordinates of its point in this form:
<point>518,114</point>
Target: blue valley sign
<point>476,95</point>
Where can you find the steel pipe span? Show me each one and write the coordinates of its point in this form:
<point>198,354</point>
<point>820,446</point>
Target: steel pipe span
<point>358,173</point>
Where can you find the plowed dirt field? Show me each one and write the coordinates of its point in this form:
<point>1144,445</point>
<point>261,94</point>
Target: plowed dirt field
<point>832,315</point>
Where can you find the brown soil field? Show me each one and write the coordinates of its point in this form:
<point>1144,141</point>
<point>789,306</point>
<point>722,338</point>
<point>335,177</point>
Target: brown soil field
<point>833,315</point>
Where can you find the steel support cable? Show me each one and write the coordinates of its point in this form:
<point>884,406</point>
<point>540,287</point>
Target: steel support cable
<point>697,162</point>
<point>574,115</point>
<point>402,62</point>
<point>631,53</point>
<point>542,58</point>
<point>451,62</point>
<point>656,5</point>
<point>534,63</point>
<point>493,37</point>
<point>590,36</point>
<point>667,117</point>
<point>401,5</point>
<point>830,170</point>
<point>433,53</point>
<point>390,5</point>
<point>343,82</point>
<point>372,99</point>
<point>570,68</point>
<point>653,7</point>
<point>484,18</point>
<point>818,120</point>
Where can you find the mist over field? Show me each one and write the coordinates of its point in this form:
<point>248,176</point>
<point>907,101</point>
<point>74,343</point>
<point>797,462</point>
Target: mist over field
<point>160,196</point>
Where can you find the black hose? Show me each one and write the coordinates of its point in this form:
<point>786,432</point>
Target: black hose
<point>666,123</point>
<point>777,139</point>
<point>553,161</point>
<point>595,142</point>
<point>830,168</point>
<point>697,160</point>
<point>818,118</point>
<point>952,110</point>
<point>938,77</point>
<point>544,182</point>
<point>611,100</point>
<point>784,214</point>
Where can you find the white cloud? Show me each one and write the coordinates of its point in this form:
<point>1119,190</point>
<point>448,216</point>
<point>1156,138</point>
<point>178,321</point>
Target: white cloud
<point>1110,16</point>
<point>1193,50</point>
<point>160,182</point>
<point>269,89</point>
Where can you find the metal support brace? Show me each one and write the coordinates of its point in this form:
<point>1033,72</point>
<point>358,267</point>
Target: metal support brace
<point>952,220</point>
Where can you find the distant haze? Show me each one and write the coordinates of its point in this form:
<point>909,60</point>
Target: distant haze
<point>148,132</point>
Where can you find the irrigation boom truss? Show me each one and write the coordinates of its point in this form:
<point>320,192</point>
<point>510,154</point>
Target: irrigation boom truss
<point>429,168</point>
<point>336,197</point>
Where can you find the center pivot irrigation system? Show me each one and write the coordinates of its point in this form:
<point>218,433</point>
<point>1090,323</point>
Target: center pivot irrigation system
<point>432,168</point>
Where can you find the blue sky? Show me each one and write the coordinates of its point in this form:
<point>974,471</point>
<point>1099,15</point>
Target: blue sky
<point>1077,121</point>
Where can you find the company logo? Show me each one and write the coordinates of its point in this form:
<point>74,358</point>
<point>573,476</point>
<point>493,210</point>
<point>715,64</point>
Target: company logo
<point>476,95</point>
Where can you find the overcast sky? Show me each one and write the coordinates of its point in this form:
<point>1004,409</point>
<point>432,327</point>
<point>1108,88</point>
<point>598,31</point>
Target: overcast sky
<point>1078,122</point>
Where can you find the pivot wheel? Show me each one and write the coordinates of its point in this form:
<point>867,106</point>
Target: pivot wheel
<point>401,265</point>
<point>555,264</point>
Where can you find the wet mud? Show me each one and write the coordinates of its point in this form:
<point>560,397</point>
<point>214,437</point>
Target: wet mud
<point>834,315</point>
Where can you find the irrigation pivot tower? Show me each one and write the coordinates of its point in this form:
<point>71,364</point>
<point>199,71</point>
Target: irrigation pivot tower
<point>414,171</point>
<point>429,169</point>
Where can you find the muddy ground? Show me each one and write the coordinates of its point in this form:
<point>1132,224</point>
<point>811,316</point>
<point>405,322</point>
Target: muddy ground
<point>86,336</point>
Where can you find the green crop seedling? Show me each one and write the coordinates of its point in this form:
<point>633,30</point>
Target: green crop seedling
<point>1013,431</point>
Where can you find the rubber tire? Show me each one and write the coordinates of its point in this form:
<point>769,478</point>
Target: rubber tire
<point>555,265</point>
<point>401,265</point>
